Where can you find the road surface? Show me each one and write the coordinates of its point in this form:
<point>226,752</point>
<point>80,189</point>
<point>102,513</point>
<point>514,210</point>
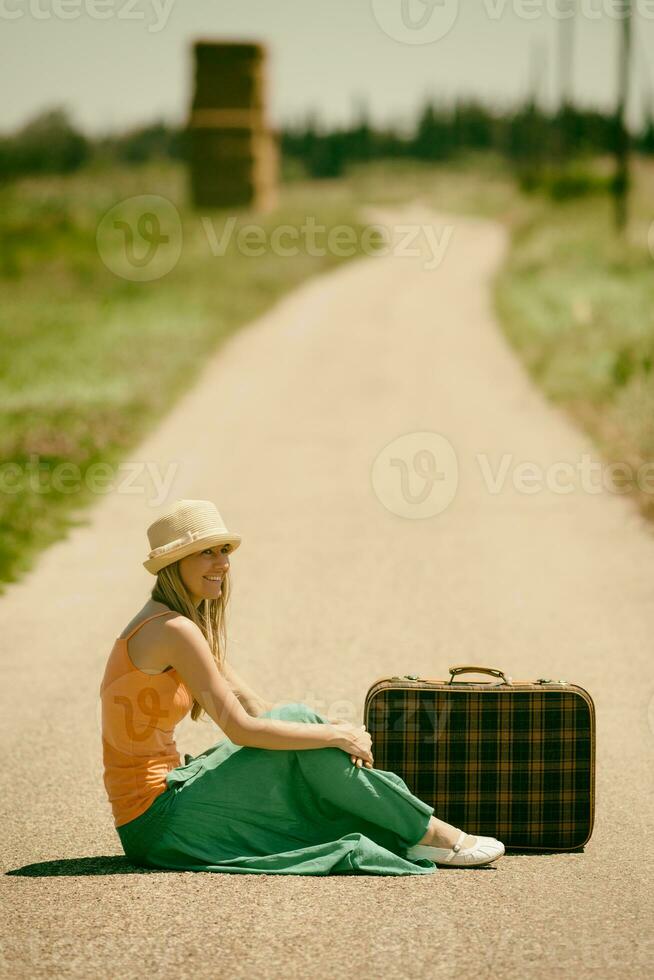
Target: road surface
<point>314,429</point>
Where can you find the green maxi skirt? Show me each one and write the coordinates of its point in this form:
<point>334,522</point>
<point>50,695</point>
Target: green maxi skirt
<point>244,810</point>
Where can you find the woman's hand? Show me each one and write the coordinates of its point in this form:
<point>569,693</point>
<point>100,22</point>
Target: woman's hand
<point>356,739</point>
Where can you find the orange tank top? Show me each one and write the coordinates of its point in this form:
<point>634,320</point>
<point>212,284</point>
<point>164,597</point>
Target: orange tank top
<point>139,714</point>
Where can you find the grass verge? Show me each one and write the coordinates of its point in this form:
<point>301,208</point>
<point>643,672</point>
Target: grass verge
<point>577,303</point>
<point>94,358</point>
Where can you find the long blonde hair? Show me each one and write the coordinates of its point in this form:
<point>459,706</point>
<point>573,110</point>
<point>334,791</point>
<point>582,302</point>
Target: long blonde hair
<point>209,615</point>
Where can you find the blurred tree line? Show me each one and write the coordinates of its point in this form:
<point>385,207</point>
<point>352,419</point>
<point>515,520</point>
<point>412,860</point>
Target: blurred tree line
<point>532,140</point>
<point>50,143</point>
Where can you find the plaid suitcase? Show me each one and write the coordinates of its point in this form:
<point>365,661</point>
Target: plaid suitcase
<point>513,760</point>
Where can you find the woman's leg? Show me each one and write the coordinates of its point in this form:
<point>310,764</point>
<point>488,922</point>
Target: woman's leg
<point>376,800</point>
<point>441,834</point>
<point>365,791</point>
<point>257,809</point>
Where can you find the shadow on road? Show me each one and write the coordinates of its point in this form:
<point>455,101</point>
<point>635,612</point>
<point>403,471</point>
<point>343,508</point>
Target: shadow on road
<point>117,865</point>
<point>543,852</point>
<point>102,865</point>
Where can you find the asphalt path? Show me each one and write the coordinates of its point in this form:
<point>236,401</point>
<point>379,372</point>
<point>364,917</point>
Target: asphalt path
<point>397,480</point>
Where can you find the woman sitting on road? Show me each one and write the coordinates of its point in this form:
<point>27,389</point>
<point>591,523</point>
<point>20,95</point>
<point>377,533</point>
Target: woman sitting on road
<point>256,801</point>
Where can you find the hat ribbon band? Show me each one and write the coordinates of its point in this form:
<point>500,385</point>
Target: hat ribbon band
<point>186,538</point>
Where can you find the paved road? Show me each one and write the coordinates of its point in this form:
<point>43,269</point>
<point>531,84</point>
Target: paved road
<point>341,579</point>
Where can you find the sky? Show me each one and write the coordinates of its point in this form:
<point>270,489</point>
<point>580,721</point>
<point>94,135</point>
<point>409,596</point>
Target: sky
<point>119,63</point>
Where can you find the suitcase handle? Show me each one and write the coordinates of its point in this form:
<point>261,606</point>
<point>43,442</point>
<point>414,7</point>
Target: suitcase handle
<point>493,671</point>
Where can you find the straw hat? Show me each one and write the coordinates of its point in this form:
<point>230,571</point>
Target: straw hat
<point>189,526</point>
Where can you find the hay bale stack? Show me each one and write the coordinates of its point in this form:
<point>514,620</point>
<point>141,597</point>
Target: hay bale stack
<point>233,153</point>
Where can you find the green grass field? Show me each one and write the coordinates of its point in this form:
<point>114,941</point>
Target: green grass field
<point>94,359</point>
<point>577,303</point>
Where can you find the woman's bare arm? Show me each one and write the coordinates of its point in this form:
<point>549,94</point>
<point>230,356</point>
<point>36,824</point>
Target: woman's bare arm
<point>253,703</point>
<point>187,650</point>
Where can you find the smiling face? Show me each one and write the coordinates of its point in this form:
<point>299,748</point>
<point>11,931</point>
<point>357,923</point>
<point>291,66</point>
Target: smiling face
<point>202,572</point>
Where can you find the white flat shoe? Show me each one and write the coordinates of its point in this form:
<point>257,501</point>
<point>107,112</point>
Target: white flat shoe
<point>486,849</point>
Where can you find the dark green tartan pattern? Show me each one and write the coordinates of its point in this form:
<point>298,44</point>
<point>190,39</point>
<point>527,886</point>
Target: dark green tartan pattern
<point>514,763</point>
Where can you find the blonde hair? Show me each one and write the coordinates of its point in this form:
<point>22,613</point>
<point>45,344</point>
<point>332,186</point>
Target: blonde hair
<point>209,615</point>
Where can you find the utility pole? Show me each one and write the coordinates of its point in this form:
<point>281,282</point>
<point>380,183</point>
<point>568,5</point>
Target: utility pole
<point>621,179</point>
<point>537,63</point>
<point>567,12</point>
